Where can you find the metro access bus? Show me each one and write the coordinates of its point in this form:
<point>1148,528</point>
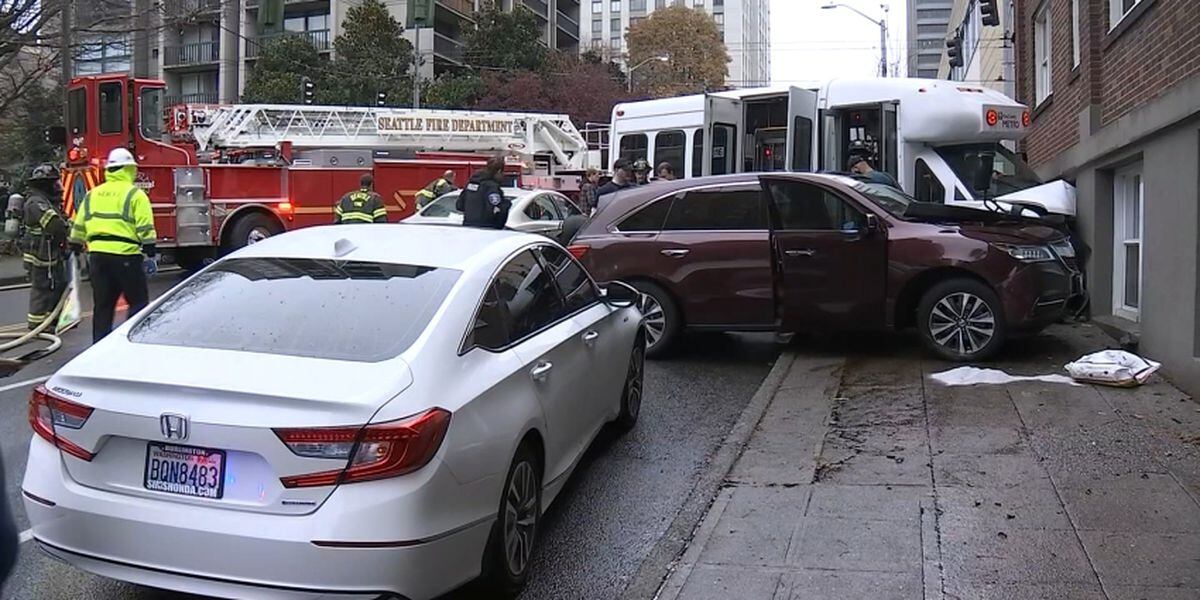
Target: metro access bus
<point>943,141</point>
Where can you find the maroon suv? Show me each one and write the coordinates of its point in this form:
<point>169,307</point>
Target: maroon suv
<point>804,252</point>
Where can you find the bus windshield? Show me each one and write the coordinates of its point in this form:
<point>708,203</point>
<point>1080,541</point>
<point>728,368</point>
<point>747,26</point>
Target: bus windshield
<point>1009,173</point>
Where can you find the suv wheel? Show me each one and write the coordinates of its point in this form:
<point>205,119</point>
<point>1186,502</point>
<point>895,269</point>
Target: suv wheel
<point>661,318</point>
<point>961,320</point>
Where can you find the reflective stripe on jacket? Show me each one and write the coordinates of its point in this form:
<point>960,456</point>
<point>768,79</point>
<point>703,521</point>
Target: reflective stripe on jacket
<point>115,217</point>
<point>360,206</point>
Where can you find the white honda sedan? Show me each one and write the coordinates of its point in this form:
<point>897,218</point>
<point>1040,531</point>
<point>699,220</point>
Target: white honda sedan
<point>341,411</point>
<point>533,211</point>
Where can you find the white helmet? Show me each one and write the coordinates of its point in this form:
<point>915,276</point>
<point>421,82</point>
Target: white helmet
<point>120,157</point>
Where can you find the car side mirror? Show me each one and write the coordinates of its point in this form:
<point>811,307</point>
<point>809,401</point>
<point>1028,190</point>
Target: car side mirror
<point>983,172</point>
<point>619,294</point>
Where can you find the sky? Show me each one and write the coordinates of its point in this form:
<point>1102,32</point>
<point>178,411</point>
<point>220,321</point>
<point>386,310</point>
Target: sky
<point>809,43</point>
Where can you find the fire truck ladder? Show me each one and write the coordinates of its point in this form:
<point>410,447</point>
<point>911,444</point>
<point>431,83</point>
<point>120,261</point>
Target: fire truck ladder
<point>266,125</point>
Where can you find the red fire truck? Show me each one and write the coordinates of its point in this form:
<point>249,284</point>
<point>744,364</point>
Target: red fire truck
<point>222,177</point>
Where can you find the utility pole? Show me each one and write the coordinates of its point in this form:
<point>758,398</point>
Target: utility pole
<point>420,14</point>
<point>883,43</point>
<point>416,77</point>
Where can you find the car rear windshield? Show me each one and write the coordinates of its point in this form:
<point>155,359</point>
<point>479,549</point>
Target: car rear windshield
<point>316,308</point>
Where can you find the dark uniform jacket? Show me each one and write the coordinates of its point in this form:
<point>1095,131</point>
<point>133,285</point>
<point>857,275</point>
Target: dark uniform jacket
<point>483,203</point>
<point>45,237</point>
<point>360,206</point>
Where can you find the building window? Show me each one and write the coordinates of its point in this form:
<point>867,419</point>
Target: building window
<point>614,27</point>
<point>1128,194</point>
<point>615,44</point>
<point>614,7</point>
<point>1042,54</point>
<point>1117,9</point>
<point>719,18</point>
<point>635,20</point>
<point>106,55</point>
<point>597,8</point>
<point>637,5</point>
<point>597,27</point>
<point>1074,33</point>
<point>698,3</point>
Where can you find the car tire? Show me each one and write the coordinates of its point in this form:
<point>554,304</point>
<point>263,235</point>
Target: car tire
<point>632,391</point>
<point>662,320</point>
<point>252,228</point>
<point>520,500</point>
<point>961,320</point>
<point>192,260</point>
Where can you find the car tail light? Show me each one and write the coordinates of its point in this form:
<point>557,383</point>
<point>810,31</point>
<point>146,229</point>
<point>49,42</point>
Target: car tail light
<point>372,452</point>
<point>578,250</point>
<point>47,412</point>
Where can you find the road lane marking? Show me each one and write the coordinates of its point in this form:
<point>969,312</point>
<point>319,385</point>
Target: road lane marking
<point>25,536</point>
<point>21,384</point>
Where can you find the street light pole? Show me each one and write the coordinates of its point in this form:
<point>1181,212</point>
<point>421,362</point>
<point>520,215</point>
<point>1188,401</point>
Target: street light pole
<point>629,73</point>
<point>883,31</point>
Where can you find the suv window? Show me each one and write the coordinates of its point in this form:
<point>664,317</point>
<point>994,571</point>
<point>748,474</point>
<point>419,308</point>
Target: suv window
<point>528,295</point>
<point>316,308</point>
<point>798,205</point>
<point>717,209</point>
<point>649,218</point>
<point>542,208</point>
<point>576,287</point>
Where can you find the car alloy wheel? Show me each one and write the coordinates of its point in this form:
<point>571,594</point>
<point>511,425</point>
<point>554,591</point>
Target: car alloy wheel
<point>962,322</point>
<point>631,393</point>
<point>655,319</point>
<point>521,509</point>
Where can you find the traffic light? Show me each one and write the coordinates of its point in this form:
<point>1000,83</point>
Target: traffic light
<point>954,50</point>
<point>420,14</point>
<point>308,90</point>
<point>989,12</point>
<point>381,99</point>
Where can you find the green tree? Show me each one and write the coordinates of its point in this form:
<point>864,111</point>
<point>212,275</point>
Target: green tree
<point>282,64</point>
<point>506,40</point>
<point>453,90</point>
<point>22,142</point>
<point>372,56</point>
<point>697,59</point>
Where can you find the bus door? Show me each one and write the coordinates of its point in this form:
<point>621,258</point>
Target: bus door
<point>801,130</point>
<point>723,121</point>
<point>874,125</point>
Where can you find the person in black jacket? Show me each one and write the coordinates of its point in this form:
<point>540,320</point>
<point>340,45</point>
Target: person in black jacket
<point>8,532</point>
<point>482,202</point>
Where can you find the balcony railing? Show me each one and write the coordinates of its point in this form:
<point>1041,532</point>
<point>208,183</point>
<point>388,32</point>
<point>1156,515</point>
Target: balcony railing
<point>538,6</point>
<point>463,7</point>
<point>319,38</point>
<point>447,48</point>
<point>197,98</point>
<point>567,23</point>
<point>196,53</point>
<point>177,9</point>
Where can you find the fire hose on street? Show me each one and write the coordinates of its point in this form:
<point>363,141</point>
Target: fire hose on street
<point>46,332</point>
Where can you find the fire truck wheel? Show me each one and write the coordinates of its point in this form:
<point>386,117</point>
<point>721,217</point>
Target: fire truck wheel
<point>252,228</point>
<point>193,259</point>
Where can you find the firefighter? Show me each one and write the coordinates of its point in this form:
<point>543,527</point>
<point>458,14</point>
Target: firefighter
<point>362,205</point>
<point>43,244</point>
<point>482,202</point>
<point>117,224</point>
<point>436,189</point>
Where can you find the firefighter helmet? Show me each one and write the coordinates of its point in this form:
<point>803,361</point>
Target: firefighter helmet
<point>43,172</point>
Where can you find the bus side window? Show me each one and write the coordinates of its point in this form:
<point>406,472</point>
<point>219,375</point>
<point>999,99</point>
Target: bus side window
<point>668,148</point>
<point>634,146</point>
<point>698,153</point>
<point>928,188</point>
<point>724,152</point>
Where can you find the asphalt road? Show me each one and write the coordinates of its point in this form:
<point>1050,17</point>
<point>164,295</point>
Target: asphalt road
<point>616,506</point>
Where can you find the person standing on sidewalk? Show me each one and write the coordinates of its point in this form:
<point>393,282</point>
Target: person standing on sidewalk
<point>117,225</point>
<point>587,191</point>
<point>43,244</point>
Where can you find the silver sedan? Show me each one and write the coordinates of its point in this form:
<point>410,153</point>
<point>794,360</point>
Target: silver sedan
<point>533,211</point>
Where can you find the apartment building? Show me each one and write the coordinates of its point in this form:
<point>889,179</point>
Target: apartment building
<point>745,25</point>
<point>928,22</point>
<point>1115,91</point>
<point>205,49</point>
<point>989,55</point>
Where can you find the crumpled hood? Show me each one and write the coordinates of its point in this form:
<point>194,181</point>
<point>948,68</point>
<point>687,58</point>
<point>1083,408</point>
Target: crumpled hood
<point>1012,233</point>
<point>1057,197</point>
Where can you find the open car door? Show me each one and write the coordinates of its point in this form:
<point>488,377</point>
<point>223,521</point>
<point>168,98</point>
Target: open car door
<point>723,124</point>
<point>802,133</point>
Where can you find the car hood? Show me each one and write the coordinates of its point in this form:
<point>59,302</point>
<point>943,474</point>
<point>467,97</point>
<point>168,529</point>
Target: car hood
<point>1011,233</point>
<point>230,387</point>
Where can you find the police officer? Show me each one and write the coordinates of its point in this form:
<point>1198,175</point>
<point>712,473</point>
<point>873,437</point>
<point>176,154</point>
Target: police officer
<point>117,224</point>
<point>43,244</point>
<point>437,188</point>
<point>482,202</point>
<point>362,205</point>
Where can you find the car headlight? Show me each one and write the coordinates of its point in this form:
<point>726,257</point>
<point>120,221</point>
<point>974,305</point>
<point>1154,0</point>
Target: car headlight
<point>1030,254</point>
<point>1064,248</point>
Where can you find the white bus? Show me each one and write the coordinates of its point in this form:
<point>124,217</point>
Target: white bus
<point>935,137</point>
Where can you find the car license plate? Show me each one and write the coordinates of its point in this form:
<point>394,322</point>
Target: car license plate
<point>185,470</point>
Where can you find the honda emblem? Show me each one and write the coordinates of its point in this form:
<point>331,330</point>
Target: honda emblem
<point>174,427</point>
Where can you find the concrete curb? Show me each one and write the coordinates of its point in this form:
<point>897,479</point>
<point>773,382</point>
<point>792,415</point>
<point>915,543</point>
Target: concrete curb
<point>664,556</point>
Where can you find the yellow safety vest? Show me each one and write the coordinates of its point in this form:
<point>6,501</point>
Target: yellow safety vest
<point>115,217</point>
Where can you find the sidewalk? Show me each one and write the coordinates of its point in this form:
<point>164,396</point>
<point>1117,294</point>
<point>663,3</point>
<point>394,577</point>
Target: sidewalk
<point>864,479</point>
